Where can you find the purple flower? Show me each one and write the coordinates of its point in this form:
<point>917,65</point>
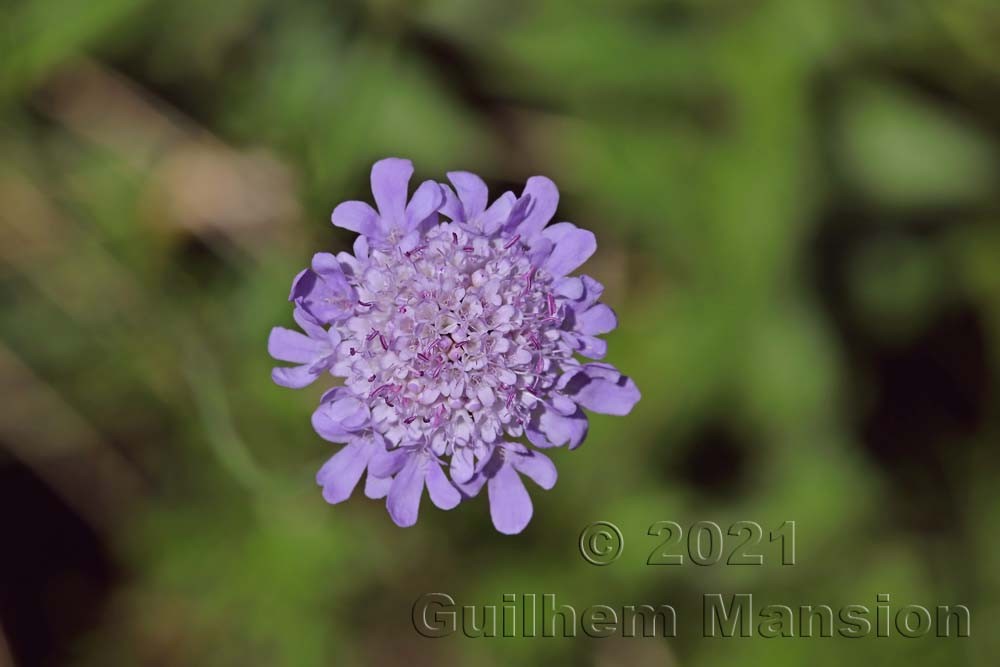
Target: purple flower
<point>454,340</point>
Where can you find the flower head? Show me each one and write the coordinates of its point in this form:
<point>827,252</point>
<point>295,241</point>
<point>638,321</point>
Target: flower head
<point>454,340</point>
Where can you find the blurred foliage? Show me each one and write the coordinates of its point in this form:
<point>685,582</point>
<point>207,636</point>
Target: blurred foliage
<point>797,204</point>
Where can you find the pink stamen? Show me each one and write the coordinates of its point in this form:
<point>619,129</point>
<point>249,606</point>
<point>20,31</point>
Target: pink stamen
<point>469,249</point>
<point>365,303</point>
<point>552,304</point>
<point>454,238</point>
<point>438,415</point>
<point>529,277</point>
<point>385,343</point>
<point>534,341</point>
<point>371,378</point>
<point>381,390</point>
<point>410,420</point>
<point>510,243</point>
<point>370,337</point>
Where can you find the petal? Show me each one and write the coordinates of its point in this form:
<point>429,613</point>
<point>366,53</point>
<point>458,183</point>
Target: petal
<point>462,467</point>
<point>535,465</point>
<point>328,267</point>
<point>442,492</point>
<point>355,216</point>
<point>536,437</point>
<point>426,201</point>
<point>519,209</point>
<point>548,428</point>
<point>593,389</point>
<point>311,325</point>
<point>452,207</point>
<point>349,264</point>
<point>484,393</point>
<point>360,248</point>
<point>499,211</point>
<point>295,377</point>
<point>472,488</point>
<point>592,291</point>
<point>390,180</point>
<point>288,345</point>
<point>562,404</point>
<point>572,247</point>
<point>472,192</point>
<point>388,463</point>
<point>336,420</point>
<point>596,320</point>
<point>544,200</point>
<point>377,487</point>
<point>587,346</point>
<point>352,412</point>
<point>341,474</point>
<point>540,250</point>
<point>333,393</point>
<point>604,371</point>
<point>569,287</point>
<point>403,502</point>
<point>302,284</point>
<point>510,504</point>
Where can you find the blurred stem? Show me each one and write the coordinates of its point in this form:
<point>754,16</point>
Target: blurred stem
<point>209,394</point>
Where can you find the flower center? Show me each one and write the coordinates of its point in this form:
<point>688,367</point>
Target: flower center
<point>457,334</point>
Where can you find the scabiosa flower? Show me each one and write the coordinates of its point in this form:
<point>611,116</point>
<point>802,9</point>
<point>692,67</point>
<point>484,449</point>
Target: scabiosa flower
<point>457,340</point>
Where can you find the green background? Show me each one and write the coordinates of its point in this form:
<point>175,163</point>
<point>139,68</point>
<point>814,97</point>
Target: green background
<point>797,209</point>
